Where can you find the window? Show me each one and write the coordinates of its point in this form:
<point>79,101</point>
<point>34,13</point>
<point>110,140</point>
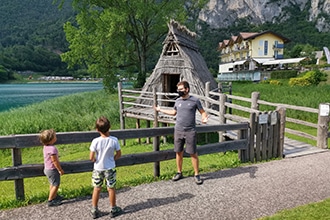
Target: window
<point>266,47</point>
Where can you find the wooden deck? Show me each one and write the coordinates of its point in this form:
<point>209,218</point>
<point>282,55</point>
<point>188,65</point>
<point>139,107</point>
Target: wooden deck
<point>293,148</point>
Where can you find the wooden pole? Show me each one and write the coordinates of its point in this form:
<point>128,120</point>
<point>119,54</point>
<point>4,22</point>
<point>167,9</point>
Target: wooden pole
<point>282,113</point>
<point>137,126</point>
<point>207,94</point>
<point>254,100</point>
<point>19,183</point>
<point>121,110</point>
<point>156,138</point>
<point>230,110</point>
<point>207,104</point>
<point>323,126</point>
<point>252,137</point>
<point>222,112</point>
<point>148,126</point>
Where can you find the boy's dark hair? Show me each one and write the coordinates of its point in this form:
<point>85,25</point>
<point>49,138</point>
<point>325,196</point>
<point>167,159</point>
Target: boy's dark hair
<point>102,124</point>
<point>185,84</point>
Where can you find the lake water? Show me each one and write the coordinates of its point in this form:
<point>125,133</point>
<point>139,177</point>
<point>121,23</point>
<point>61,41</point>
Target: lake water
<point>19,95</point>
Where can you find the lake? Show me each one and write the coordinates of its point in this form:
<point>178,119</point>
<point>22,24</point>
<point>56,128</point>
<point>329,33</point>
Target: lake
<point>19,95</point>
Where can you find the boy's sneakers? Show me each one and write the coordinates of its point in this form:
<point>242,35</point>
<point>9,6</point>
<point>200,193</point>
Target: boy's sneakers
<point>115,211</point>
<point>177,176</point>
<point>95,213</point>
<point>58,198</point>
<point>198,180</point>
<point>54,202</point>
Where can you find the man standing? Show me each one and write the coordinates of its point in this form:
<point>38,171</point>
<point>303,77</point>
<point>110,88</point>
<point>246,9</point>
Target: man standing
<point>184,131</point>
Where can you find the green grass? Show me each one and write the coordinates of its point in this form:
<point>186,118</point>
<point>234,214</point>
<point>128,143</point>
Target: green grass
<point>78,113</point>
<point>313,211</point>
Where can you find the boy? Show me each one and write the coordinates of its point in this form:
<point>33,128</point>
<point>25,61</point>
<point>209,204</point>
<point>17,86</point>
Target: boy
<point>52,167</point>
<point>104,150</point>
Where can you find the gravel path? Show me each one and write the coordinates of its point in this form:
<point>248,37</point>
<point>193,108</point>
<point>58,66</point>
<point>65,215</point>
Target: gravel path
<point>248,192</point>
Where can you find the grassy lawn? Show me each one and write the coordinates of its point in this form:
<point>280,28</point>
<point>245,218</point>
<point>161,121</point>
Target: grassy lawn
<point>78,112</point>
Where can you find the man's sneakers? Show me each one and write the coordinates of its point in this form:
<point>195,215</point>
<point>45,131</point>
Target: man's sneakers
<point>177,176</point>
<point>198,180</point>
<point>95,213</point>
<point>115,211</point>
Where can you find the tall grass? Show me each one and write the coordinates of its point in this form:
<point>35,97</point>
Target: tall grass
<point>67,113</point>
<point>78,112</point>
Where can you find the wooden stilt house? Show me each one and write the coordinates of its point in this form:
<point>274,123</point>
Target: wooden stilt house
<point>179,60</point>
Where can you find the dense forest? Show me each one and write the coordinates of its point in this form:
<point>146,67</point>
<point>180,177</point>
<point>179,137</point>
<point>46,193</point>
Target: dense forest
<point>32,37</point>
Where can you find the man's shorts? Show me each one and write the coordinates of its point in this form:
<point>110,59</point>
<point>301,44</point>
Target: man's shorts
<point>109,176</point>
<point>187,138</point>
<point>54,177</point>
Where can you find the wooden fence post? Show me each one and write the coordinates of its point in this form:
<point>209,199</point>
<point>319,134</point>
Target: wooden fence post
<point>220,89</point>
<point>254,100</point>
<point>222,112</point>
<point>121,110</point>
<point>19,183</point>
<point>207,104</point>
<point>207,94</point>
<point>230,110</point>
<point>323,126</point>
<point>252,155</point>
<point>282,113</point>
<point>243,154</point>
<point>156,138</point>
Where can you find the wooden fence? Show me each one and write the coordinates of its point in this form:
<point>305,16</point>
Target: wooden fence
<point>220,105</point>
<point>19,171</point>
<point>266,136</point>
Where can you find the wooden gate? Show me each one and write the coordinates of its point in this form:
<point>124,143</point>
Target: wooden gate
<point>266,137</point>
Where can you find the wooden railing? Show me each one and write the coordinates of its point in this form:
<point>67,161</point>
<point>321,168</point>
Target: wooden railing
<point>266,136</point>
<point>220,106</point>
<point>19,171</point>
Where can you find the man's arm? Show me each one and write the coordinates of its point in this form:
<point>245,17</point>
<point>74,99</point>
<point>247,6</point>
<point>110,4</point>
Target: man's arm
<point>165,111</point>
<point>205,117</point>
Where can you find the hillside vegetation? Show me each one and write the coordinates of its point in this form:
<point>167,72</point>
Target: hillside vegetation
<point>32,37</point>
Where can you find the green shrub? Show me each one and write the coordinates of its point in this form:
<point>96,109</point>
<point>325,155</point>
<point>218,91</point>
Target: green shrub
<point>275,82</point>
<point>299,82</point>
<point>312,77</point>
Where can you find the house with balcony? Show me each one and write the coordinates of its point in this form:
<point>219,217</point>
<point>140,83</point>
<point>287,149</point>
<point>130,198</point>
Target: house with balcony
<point>245,56</point>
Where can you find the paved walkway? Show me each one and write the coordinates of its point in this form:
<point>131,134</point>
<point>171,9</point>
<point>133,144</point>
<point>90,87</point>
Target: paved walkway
<point>248,192</point>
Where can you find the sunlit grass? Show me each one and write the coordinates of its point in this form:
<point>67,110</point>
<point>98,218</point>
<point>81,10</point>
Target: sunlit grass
<point>78,113</point>
<point>313,211</point>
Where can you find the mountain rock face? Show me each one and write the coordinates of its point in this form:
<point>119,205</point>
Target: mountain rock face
<point>223,13</point>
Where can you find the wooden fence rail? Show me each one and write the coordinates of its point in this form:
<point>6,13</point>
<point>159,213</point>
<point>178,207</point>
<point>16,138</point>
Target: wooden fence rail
<point>19,171</point>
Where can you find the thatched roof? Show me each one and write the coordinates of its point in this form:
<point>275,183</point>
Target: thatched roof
<point>180,56</point>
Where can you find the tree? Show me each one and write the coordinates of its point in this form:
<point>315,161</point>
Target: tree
<point>114,35</point>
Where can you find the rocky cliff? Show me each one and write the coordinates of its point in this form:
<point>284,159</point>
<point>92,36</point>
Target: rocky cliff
<point>223,13</point>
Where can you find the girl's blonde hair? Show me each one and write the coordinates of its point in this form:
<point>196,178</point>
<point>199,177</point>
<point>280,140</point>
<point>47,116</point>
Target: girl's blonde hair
<point>47,136</point>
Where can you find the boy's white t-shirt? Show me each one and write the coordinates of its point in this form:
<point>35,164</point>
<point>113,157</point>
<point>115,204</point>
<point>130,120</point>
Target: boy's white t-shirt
<point>105,148</point>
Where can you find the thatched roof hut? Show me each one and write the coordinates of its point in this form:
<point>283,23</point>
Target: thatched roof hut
<point>180,60</point>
